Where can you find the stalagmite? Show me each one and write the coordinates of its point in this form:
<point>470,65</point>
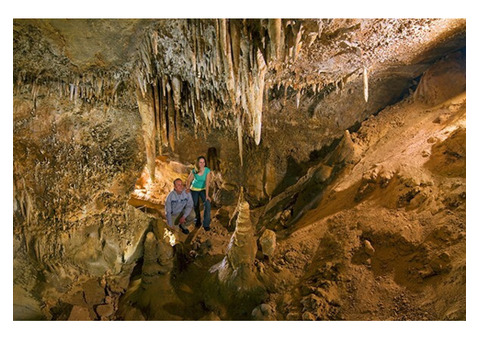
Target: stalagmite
<point>237,270</point>
<point>156,291</point>
<point>365,84</point>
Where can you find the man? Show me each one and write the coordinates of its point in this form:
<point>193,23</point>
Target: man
<point>179,207</point>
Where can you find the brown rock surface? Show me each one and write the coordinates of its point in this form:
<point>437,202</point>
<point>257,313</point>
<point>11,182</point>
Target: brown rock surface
<point>346,136</point>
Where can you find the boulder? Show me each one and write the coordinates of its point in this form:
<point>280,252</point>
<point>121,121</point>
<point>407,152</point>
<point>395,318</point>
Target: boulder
<point>264,312</point>
<point>223,217</point>
<point>105,310</point>
<point>93,292</point>
<point>307,316</point>
<point>268,242</point>
<point>80,313</point>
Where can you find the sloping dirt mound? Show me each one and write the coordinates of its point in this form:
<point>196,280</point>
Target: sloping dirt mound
<point>375,263</point>
<point>387,239</point>
<point>449,158</point>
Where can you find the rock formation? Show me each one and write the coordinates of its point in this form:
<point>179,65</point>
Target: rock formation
<point>342,140</point>
<point>153,292</point>
<point>237,274</point>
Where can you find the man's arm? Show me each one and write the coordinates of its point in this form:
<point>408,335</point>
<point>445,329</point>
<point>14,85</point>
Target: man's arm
<point>168,209</point>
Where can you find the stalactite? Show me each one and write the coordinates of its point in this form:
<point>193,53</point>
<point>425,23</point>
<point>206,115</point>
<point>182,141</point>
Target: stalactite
<point>222,31</point>
<point>235,40</point>
<point>141,84</point>
<point>265,99</point>
<point>176,87</point>
<point>72,91</point>
<point>147,113</point>
<point>227,87</point>
<point>312,36</point>
<point>156,102</point>
<point>258,96</point>
<point>171,117</point>
<point>240,138</point>
<point>77,93</point>
<point>163,118</point>
<point>365,83</point>
<point>155,42</point>
<point>194,47</point>
<point>298,43</point>
<point>196,122</point>
<point>197,89</point>
<point>289,41</point>
<point>176,96</point>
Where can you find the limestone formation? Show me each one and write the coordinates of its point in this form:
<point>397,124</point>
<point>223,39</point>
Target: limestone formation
<point>155,290</point>
<point>343,142</point>
<point>237,270</point>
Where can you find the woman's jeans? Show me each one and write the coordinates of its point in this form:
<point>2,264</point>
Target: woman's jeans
<point>206,208</point>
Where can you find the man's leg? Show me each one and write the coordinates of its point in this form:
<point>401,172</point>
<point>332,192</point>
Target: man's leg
<point>176,219</point>
<point>190,218</point>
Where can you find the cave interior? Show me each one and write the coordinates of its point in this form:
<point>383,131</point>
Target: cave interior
<point>338,157</point>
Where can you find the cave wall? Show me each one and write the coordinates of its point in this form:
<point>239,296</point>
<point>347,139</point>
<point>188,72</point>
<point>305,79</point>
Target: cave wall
<point>75,165</point>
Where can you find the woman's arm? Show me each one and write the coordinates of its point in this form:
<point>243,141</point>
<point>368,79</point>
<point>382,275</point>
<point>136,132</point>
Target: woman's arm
<point>207,184</point>
<point>189,181</point>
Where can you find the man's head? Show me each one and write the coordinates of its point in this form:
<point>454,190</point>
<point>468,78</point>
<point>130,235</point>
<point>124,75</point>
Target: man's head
<point>178,185</point>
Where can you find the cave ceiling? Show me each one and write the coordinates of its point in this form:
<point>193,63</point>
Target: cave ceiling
<point>221,70</point>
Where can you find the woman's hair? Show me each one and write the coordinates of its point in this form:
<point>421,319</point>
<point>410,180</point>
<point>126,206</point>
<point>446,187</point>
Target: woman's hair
<point>197,168</point>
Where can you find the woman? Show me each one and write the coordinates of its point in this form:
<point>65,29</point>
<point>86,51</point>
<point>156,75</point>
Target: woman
<point>198,182</point>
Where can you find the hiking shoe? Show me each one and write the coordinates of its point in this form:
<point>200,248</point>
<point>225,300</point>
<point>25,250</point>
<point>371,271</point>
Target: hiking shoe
<point>184,229</point>
<point>198,224</point>
<point>206,228</point>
